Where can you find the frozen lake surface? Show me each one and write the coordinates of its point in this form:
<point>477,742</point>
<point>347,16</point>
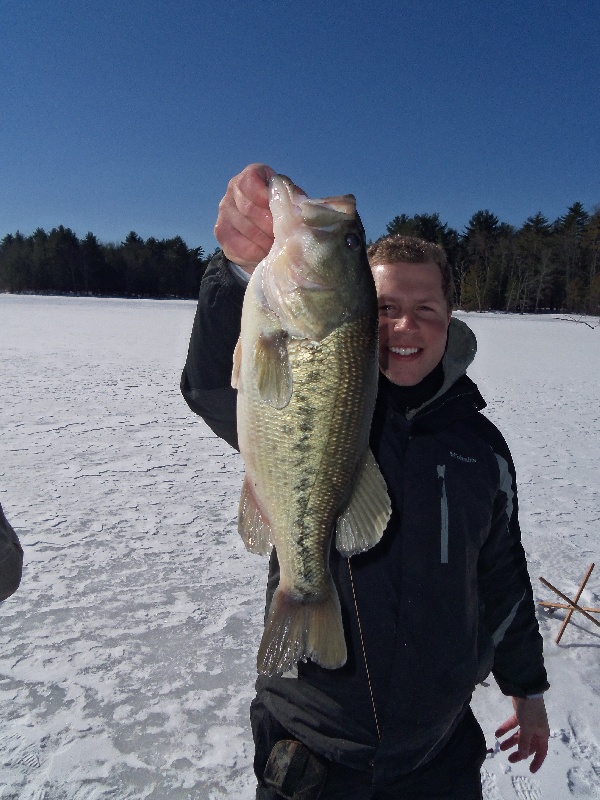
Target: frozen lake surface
<point>127,657</point>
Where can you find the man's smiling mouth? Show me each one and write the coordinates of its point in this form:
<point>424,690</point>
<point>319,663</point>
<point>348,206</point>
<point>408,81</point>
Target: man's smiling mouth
<point>405,351</point>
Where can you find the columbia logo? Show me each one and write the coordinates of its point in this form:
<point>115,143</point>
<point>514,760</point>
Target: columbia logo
<point>467,459</point>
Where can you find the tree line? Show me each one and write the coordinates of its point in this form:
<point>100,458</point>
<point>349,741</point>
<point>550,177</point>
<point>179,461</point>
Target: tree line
<point>541,266</point>
<point>60,262</point>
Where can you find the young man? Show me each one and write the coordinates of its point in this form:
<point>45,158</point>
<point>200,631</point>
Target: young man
<point>443,599</point>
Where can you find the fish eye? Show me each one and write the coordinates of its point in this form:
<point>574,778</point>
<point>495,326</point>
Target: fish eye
<point>353,241</point>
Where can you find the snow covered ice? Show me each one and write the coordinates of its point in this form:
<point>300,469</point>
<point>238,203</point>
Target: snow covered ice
<point>127,657</point>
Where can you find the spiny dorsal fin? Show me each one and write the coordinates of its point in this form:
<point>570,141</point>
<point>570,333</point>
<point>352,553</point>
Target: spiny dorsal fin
<point>273,370</point>
<point>365,518</point>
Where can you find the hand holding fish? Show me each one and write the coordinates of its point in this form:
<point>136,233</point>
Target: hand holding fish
<point>244,226</point>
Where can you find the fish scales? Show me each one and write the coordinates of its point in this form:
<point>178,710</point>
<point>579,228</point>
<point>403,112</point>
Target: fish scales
<point>328,408</point>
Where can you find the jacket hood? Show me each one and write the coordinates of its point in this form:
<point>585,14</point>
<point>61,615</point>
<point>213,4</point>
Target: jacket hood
<point>460,352</point>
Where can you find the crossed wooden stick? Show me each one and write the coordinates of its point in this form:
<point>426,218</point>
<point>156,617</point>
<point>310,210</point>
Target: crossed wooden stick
<point>571,604</point>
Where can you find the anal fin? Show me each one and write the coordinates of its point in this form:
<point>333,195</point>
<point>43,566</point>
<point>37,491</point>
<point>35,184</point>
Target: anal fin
<point>364,520</point>
<point>253,526</point>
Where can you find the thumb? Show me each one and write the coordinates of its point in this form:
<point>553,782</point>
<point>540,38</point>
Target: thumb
<point>265,171</point>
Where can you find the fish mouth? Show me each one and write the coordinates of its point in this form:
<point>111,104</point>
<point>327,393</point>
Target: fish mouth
<point>324,213</point>
<point>285,191</point>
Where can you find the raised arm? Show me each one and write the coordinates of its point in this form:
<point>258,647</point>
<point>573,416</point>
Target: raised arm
<point>244,229</point>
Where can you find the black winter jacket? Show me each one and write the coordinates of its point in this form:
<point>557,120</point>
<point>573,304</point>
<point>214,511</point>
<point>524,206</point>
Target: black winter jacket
<point>443,598</point>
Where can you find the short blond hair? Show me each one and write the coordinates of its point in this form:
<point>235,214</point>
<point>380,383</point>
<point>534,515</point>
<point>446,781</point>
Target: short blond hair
<point>409,249</point>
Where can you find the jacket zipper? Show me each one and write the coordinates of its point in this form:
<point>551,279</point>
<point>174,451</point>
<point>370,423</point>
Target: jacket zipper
<point>441,471</point>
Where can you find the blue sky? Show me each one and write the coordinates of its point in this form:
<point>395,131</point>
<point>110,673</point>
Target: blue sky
<point>121,115</point>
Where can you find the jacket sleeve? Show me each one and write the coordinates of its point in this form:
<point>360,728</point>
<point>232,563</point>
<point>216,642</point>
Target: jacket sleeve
<point>505,589</point>
<point>11,559</point>
<point>206,377</point>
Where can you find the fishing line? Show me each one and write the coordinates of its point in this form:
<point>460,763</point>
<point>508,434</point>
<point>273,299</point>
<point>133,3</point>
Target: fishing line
<point>362,642</point>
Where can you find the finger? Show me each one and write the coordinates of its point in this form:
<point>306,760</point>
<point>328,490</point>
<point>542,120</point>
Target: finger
<point>251,207</point>
<point>525,748</point>
<point>241,240</point>
<point>239,249</point>
<point>512,741</point>
<point>252,183</point>
<point>256,173</point>
<point>244,226</point>
<point>230,219</point>
<point>539,757</point>
<point>251,188</point>
<point>520,754</point>
<point>507,726</point>
<point>517,756</point>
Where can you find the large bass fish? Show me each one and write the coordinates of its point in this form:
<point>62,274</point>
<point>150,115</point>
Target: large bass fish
<point>306,368</point>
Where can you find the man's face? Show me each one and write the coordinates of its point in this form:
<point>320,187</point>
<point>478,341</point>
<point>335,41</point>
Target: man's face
<point>413,320</point>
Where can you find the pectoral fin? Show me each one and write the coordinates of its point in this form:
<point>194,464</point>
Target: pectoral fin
<point>364,520</point>
<point>273,370</point>
<point>237,364</point>
<point>253,526</point>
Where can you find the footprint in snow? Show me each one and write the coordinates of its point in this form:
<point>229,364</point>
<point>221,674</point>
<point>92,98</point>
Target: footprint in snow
<point>36,794</point>
<point>489,786</point>
<point>584,781</point>
<point>14,750</point>
<point>584,777</point>
<point>525,788</point>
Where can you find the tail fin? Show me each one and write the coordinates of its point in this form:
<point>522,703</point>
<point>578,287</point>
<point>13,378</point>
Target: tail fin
<point>298,629</point>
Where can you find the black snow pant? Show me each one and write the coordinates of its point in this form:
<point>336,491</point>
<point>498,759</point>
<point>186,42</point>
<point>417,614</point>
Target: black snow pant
<point>453,774</point>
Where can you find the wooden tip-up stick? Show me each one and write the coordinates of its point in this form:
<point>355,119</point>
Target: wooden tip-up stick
<point>566,605</point>
<point>572,604</point>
